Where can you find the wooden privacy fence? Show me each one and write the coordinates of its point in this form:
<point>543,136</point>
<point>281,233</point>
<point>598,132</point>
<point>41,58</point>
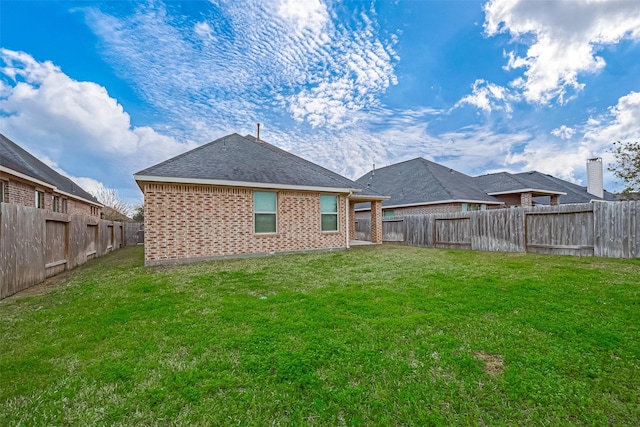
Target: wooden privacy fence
<point>35,244</point>
<point>592,229</point>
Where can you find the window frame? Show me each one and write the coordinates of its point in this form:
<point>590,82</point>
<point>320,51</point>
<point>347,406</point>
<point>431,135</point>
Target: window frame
<point>39,199</point>
<point>64,205</point>
<point>323,213</point>
<point>2,191</point>
<point>55,203</point>
<point>261,212</point>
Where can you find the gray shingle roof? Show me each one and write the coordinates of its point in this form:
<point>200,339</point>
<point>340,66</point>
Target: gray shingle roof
<point>421,181</point>
<point>504,181</point>
<point>14,157</point>
<point>575,193</point>
<point>238,158</point>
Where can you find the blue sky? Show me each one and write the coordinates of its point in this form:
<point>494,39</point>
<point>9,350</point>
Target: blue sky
<point>100,90</point>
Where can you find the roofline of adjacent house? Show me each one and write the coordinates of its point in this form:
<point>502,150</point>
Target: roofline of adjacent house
<point>527,190</point>
<point>46,184</point>
<point>439,202</point>
<point>228,183</point>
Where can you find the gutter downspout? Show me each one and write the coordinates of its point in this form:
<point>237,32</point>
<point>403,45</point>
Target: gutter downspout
<point>347,217</point>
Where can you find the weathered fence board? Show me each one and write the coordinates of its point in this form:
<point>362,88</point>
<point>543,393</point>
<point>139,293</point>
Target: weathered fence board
<point>35,244</point>
<point>363,229</point>
<point>452,233</point>
<point>600,229</point>
<point>497,230</point>
<point>564,230</point>
<point>392,230</point>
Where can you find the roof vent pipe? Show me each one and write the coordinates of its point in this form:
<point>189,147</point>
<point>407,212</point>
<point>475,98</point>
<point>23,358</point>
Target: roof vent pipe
<point>258,137</point>
<point>594,177</point>
<point>373,172</point>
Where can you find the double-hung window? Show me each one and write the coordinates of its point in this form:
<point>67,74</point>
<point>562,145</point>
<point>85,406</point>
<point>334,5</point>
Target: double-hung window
<point>56,204</point>
<point>329,213</point>
<point>264,211</point>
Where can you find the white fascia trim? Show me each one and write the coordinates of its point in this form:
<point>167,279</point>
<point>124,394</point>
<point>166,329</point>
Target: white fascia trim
<point>225,183</point>
<point>365,198</point>
<point>439,202</point>
<point>46,184</point>
<point>528,190</point>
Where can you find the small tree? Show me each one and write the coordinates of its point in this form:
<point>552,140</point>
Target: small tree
<point>627,165</point>
<point>138,213</point>
<point>110,198</point>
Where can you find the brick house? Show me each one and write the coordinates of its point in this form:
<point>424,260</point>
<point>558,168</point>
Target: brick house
<point>420,186</point>
<point>240,196</point>
<point>26,181</point>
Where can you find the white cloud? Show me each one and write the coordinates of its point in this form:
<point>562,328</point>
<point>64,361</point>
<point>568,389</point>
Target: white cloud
<point>75,124</point>
<point>204,30</point>
<point>295,57</point>
<point>489,97</point>
<point>563,38</point>
<point>567,160</point>
<point>621,123</point>
<point>563,132</point>
<point>308,14</point>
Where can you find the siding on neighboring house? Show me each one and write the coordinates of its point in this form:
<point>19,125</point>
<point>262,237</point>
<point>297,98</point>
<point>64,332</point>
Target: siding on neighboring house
<point>190,222</point>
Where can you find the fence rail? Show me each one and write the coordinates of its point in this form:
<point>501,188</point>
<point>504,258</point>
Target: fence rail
<point>590,229</point>
<point>35,244</point>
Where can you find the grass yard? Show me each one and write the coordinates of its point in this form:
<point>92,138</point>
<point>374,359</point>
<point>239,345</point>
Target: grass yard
<point>385,335</point>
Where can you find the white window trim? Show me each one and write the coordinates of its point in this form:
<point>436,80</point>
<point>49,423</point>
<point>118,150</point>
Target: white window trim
<point>331,213</point>
<point>274,213</point>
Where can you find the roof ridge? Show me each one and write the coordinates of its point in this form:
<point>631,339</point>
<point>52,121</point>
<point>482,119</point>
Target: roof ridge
<point>306,162</point>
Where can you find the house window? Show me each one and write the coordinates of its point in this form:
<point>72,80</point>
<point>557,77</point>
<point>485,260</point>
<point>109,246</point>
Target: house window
<point>39,199</point>
<point>64,206</point>
<point>465,207</point>
<point>2,191</point>
<point>264,211</point>
<point>388,213</point>
<point>483,207</point>
<point>56,204</point>
<point>329,213</point>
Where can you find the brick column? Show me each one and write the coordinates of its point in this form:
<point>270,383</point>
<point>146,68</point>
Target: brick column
<point>352,220</point>
<point>555,200</point>
<point>376,222</point>
<point>525,200</point>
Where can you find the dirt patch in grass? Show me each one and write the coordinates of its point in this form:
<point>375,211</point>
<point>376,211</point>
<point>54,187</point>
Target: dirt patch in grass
<point>493,364</point>
<point>48,285</point>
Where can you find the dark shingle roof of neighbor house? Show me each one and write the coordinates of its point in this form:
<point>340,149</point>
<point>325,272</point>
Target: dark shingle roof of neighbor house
<point>14,157</point>
<point>245,159</point>
<point>422,181</point>
<point>575,192</point>
<point>504,181</point>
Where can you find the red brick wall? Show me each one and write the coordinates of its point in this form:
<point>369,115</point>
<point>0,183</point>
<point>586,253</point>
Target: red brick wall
<point>191,221</point>
<point>22,193</point>
<point>518,199</point>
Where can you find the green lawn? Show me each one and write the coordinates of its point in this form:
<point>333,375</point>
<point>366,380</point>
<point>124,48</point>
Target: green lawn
<point>385,335</point>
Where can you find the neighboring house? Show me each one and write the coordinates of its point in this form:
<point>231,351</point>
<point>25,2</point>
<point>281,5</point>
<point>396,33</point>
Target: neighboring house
<point>238,196</point>
<point>518,189</point>
<point>420,186</point>
<point>26,181</point>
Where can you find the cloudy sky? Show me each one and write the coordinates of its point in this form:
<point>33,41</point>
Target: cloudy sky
<point>100,90</point>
